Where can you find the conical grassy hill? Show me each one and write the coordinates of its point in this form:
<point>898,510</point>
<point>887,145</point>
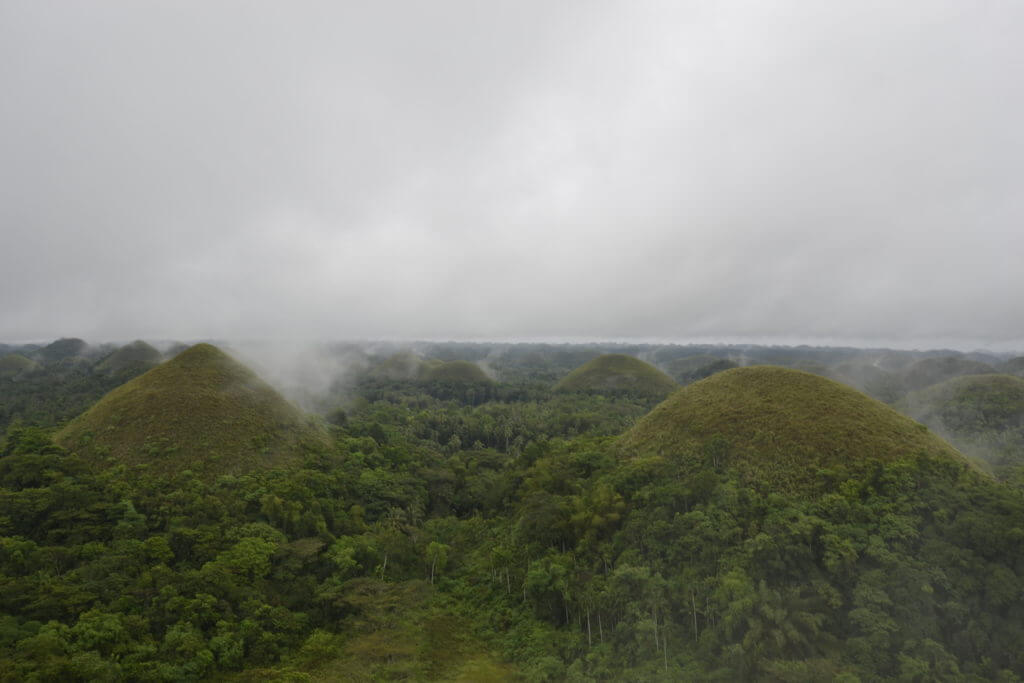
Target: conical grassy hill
<point>970,405</point>
<point>14,364</point>
<point>931,371</point>
<point>131,357</point>
<point>398,367</point>
<point>618,373</point>
<point>62,349</point>
<point>202,411</point>
<point>456,371</point>
<point>785,429</point>
<point>408,367</point>
<point>982,415</point>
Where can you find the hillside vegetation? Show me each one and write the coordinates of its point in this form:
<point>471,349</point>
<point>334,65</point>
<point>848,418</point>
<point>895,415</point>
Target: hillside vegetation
<point>930,371</point>
<point>982,415</point>
<point>874,381</point>
<point>456,371</point>
<point>778,427</point>
<point>403,366</point>
<point>762,524</point>
<point>62,349</point>
<point>406,366</point>
<point>694,368</point>
<point>618,373</point>
<point>14,364</point>
<point>201,410</point>
<point>135,357</point>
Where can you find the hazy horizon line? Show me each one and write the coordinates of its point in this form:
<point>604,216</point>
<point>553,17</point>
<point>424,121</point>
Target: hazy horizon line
<point>914,345</point>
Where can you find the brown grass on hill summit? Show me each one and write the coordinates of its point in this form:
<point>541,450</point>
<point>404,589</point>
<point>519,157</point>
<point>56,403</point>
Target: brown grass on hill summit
<point>780,427</point>
<point>201,410</point>
<point>618,373</point>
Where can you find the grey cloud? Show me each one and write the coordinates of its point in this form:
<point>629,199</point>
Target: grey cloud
<point>735,170</point>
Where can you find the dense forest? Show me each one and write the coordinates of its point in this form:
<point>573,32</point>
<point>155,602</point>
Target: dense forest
<point>520,512</point>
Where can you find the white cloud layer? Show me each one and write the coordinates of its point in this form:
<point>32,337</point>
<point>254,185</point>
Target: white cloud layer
<point>674,170</point>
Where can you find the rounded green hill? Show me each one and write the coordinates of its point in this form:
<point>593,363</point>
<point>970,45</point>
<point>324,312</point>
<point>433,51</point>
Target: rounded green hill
<point>784,428</point>
<point>618,373</point>
<point>454,371</point>
<point>982,415</point>
<point>930,371</point>
<point>135,356</point>
<point>398,367</point>
<point>14,364</point>
<point>202,411</point>
<point>970,405</point>
<point>62,349</point>
<point>406,366</point>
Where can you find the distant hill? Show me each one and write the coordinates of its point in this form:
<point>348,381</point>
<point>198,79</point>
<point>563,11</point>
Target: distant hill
<point>694,368</point>
<point>982,415</point>
<point>133,357</point>
<point>783,428</point>
<point>972,404</point>
<point>984,357</point>
<point>398,367</point>
<point>14,364</point>
<point>457,371</point>
<point>406,366</point>
<point>930,371</point>
<point>874,381</point>
<point>618,373</point>
<point>1014,366</point>
<point>62,349</point>
<point>202,410</point>
<point>812,366</point>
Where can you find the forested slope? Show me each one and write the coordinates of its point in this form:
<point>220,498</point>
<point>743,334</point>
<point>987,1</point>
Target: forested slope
<point>535,536</point>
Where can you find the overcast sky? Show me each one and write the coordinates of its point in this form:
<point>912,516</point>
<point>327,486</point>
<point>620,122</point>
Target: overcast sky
<point>763,170</point>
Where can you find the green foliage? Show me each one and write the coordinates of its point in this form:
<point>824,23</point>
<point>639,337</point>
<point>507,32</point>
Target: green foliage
<point>458,371</point>
<point>762,524</point>
<point>131,359</point>
<point>783,429</point>
<point>618,373</point>
<point>63,349</point>
<point>690,369</point>
<point>47,394</point>
<point>13,365</point>
<point>982,415</point>
<point>929,371</point>
<point>200,411</point>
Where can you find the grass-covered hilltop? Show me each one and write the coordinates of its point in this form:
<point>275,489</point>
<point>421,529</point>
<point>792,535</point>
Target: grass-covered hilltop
<point>138,356</point>
<point>618,373</point>
<point>458,514</point>
<point>14,364</point>
<point>983,415</point>
<point>779,428</point>
<point>201,410</point>
<point>63,349</point>
<point>455,371</point>
<point>929,371</point>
